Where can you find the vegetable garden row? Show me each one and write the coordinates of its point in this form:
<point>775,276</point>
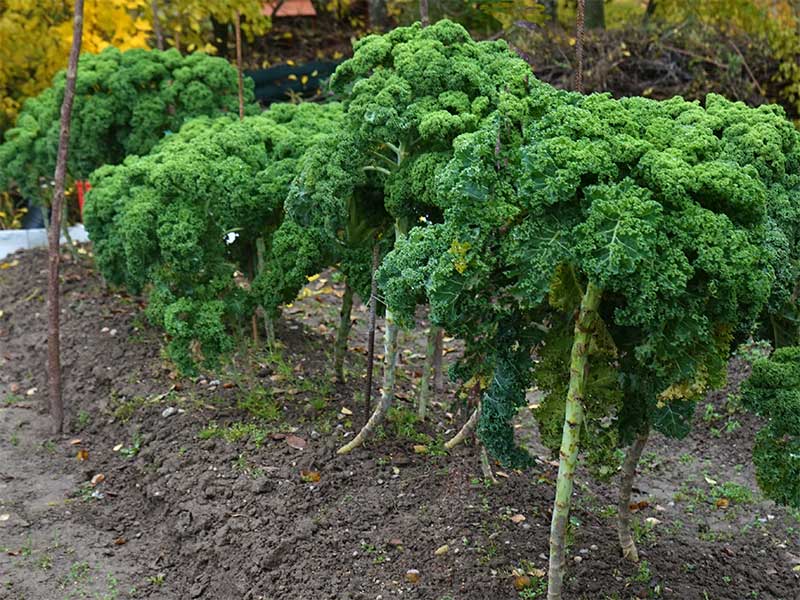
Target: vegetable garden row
<point>609,252</point>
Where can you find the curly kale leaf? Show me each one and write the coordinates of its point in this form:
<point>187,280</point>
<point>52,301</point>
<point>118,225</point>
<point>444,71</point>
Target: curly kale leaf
<point>125,102</point>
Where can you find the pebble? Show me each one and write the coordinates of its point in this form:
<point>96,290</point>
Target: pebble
<point>169,411</point>
<point>578,559</point>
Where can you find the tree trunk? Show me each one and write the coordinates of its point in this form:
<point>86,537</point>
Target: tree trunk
<point>238,27</point>
<point>343,332</point>
<point>423,13</point>
<point>573,420</point>
<point>157,25</point>
<point>595,14</point>
<point>378,15</point>
<point>427,372</point>
<point>54,233</point>
<point>632,457</point>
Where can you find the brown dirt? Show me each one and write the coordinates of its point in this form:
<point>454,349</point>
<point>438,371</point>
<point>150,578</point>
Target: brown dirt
<point>179,516</point>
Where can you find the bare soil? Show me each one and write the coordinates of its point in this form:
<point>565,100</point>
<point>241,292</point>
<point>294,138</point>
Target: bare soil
<point>215,501</point>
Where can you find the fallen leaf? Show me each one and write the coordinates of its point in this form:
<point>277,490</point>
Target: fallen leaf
<point>420,449</point>
<point>118,447</point>
<point>83,455</point>
<point>75,441</point>
<point>441,550</point>
<point>710,481</point>
<point>412,576</point>
<point>722,503</point>
<point>313,278</point>
<point>98,479</point>
<point>501,474</point>
<point>346,411</point>
<point>228,385</point>
<point>120,541</point>
<point>31,391</point>
<point>521,582</point>
<point>517,518</point>
<point>540,573</point>
<point>295,442</point>
<point>639,505</point>
<point>310,476</point>
<point>796,569</point>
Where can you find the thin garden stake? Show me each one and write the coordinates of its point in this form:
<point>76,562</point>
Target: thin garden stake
<point>238,27</point>
<point>54,234</point>
<point>423,13</point>
<point>579,31</point>
<point>373,310</point>
<point>157,25</point>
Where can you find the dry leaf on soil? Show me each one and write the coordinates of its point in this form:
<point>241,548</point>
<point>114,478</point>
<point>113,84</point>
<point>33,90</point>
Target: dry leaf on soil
<point>295,442</point>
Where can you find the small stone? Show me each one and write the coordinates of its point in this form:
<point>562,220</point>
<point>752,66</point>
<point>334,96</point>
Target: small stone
<point>169,411</point>
<point>578,559</point>
<point>412,576</point>
<point>593,547</point>
<point>441,550</point>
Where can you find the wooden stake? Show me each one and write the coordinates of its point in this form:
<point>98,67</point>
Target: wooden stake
<point>54,234</point>
<point>238,26</point>
<point>157,25</point>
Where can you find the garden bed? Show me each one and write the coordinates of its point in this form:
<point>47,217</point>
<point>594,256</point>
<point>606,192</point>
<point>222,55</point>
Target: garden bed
<point>206,495</point>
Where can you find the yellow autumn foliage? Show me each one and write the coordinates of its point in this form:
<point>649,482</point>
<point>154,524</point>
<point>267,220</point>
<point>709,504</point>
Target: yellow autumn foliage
<point>35,37</point>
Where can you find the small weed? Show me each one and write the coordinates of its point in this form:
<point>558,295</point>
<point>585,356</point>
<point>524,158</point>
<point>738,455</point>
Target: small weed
<point>260,404</point>
<point>735,493</point>
<point>49,446</point>
<point>156,580</point>
<point>134,448</point>
<point>45,563</point>
<point>686,459</point>
<point>710,413</point>
<point>235,432</point>
<point>643,575</point>
<point>84,418</point>
<point>12,399</point>
<point>14,439</point>
<point>78,572</point>
<point>732,426</point>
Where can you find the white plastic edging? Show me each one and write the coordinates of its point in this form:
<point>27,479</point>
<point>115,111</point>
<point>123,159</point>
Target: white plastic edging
<point>12,240</point>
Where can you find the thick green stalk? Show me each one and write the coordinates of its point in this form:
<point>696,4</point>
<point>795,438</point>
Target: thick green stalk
<point>387,393</point>
<point>389,367</point>
<point>269,326</point>
<point>465,430</point>
<point>342,333</point>
<point>573,420</point>
<point>632,457</point>
<point>427,372</point>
